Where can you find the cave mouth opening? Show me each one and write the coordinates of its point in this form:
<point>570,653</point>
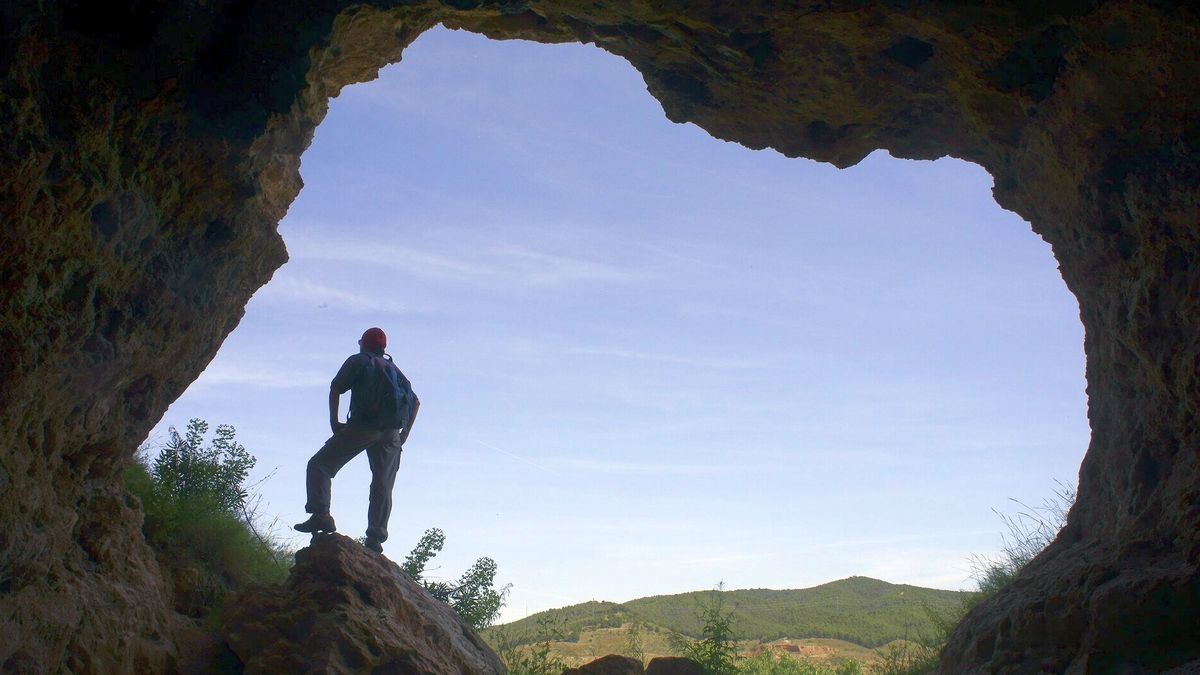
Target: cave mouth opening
<point>743,367</point>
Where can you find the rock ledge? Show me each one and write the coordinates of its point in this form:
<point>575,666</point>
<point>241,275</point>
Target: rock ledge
<point>346,609</point>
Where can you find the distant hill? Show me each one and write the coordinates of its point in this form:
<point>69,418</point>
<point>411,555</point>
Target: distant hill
<point>860,610</point>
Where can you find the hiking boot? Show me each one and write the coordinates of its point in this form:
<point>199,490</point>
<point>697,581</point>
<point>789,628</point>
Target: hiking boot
<point>373,544</point>
<point>318,522</point>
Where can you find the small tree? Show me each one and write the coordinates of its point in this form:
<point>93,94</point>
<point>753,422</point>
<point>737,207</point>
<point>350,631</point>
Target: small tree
<point>634,646</point>
<point>716,651</point>
<point>474,596</point>
<point>186,468</point>
<point>200,517</point>
<point>428,546</point>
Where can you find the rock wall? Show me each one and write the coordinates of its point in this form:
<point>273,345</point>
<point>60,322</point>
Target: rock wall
<point>150,148</point>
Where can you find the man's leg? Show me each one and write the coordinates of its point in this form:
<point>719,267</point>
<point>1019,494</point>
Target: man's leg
<point>384,455</point>
<point>339,449</point>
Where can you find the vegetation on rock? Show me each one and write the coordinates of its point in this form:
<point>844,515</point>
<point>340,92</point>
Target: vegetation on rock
<point>201,519</point>
<point>1029,531</point>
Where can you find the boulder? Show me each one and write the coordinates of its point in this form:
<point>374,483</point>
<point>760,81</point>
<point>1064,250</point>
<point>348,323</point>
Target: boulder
<point>345,609</point>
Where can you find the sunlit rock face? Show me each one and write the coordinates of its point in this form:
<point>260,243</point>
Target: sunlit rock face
<point>150,148</point>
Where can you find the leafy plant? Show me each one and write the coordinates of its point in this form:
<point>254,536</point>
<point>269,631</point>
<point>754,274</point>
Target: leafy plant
<point>427,547</point>
<point>201,519</point>
<point>634,648</point>
<point>185,467</point>
<point>716,650</point>
<point>473,596</point>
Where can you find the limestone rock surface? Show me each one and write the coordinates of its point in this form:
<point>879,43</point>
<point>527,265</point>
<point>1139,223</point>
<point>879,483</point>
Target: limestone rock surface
<point>345,609</point>
<point>149,149</point>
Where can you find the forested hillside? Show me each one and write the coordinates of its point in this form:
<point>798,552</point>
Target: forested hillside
<point>861,610</point>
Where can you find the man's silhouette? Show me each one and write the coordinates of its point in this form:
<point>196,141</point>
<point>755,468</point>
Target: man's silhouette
<point>368,426</point>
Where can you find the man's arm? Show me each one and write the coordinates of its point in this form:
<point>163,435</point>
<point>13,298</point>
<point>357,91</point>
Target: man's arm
<point>342,382</point>
<point>411,418</point>
<point>334,399</point>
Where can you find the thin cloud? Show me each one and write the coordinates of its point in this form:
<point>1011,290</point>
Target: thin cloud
<point>293,290</point>
<point>515,456</point>
<point>646,468</point>
<point>241,375</point>
<point>548,269</point>
<point>491,267</point>
<point>411,260</point>
<point>674,359</point>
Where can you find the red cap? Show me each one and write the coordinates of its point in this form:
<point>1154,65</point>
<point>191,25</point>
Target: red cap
<point>373,339</point>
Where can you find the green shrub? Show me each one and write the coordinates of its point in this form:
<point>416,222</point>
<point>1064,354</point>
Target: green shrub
<point>474,596</point>
<point>198,522</point>
<point>185,467</point>
<point>716,650</point>
<point>634,648</point>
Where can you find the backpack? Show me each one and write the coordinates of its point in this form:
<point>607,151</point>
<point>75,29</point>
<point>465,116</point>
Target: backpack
<point>391,396</point>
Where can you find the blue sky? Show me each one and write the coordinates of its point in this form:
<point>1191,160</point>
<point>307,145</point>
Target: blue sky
<point>649,360</point>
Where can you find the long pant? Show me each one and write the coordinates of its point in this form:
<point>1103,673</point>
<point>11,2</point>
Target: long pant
<point>383,452</point>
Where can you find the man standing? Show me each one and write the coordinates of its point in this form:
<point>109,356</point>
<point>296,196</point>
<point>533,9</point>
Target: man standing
<point>383,408</point>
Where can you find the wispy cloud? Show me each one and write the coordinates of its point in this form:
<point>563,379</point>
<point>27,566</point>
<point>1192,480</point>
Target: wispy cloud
<point>243,375</point>
<point>646,468</point>
<point>675,359</point>
<point>519,458</point>
<point>492,265</point>
<point>411,260</point>
<point>549,269</point>
<point>298,290</point>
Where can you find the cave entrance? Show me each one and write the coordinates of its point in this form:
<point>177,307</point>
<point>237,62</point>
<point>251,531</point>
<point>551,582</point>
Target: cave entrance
<point>651,360</point>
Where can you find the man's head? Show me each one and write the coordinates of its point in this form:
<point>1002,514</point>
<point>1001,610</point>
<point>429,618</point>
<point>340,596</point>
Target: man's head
<point>373,340</point>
